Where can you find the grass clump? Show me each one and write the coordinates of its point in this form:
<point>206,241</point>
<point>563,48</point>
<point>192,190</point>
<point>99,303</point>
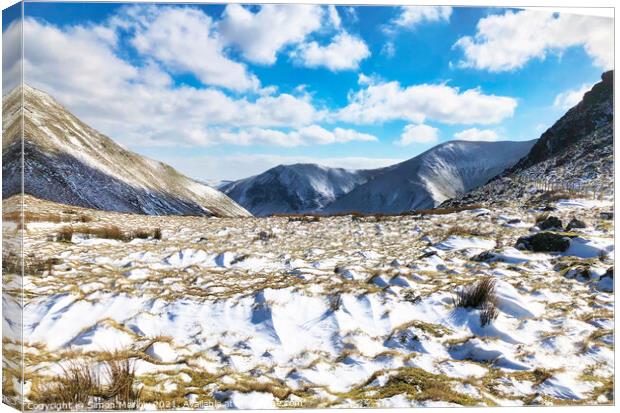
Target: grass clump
<point>65,234</point>
<point>79,387</point>
<point>120,390</point>
<point>13,264</point>
<point>480,295</point>
<point>419,385</point>
<point>66,216</point>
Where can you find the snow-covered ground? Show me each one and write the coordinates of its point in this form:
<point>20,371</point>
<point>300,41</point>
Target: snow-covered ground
<point>345,311</point>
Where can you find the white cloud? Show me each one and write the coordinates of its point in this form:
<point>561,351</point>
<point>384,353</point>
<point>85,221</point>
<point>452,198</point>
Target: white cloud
<point>238,166</point>
<point>334,17</point>
<point>139,104</point>
<point>412,16</point>
<point>308,135</point>
<point>11,57</point>
<point>345,52</point>
<point>382,101</point>
<point>508,41</point>
<point>570,98</point>
<point>418,134</point>
<point>260,36</point>
<point>475,134</point>
<point>185,41</point>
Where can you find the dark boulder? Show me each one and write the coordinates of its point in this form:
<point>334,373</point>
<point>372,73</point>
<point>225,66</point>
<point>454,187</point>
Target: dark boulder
<point>550,223</point>
<point>575,224</point>
<point>544,242</point>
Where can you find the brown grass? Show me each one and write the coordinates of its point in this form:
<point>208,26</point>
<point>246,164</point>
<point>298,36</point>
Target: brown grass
<point>446,211</point>
<point>68,216</point>
<point>77,386</point>
<point>12,264</point>
<point>121,376</point>
<point>65,234</point>
<point>480,295</point>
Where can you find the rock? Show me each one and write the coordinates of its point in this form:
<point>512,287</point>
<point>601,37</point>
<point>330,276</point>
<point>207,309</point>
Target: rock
<point>484,256</point>
<point>264,236</point>
<point>427,239</point>
<point>607,215</point>
<point>514,221</point>
<point>549,208</point>
<point>575,223</point>
<point>427,254</point>
<point>606,282</point>
<point>544,242</point>
<point>396,263</point>
<point>550,223</point>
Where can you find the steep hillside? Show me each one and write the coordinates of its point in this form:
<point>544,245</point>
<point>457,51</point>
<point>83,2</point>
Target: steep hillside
<point>66,161</point>
<point>576,153</point>
<point>299,188</point>
<point>438,174</point>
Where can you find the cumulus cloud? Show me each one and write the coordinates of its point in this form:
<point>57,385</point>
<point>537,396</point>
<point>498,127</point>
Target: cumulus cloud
<point>386,101</point>
<point>334,17</point>
<point>308,135</point>
<point>412,16</point>
<point>475,134</point>
<point>344,52</point>
<point>418,134</point>
<point>184,40</point>
<point>570,98</point>
<point>261,35</point>
<point>508,41</point>
<point>11,57</point>
<point>139,104</point>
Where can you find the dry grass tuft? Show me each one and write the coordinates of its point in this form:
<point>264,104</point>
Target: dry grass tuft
<point>66,216</point>
<point>65,234</point>
<point>480,295</point>
<point>77,386</point>
<point>120,389</point>
<point>12,264</point>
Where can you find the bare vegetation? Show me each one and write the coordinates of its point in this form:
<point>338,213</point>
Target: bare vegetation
<point>66,234</point>
<point>480,295</point>
<point>79,386</point>
<point>72,216</point>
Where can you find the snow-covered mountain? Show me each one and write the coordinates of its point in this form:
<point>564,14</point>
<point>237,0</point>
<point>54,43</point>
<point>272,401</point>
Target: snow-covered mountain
<point>66,161</point>
<point>425,181</point>
<point>430,178</point>
<point>299,188</point>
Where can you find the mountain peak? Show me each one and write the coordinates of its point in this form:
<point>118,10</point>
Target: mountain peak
<point>595,108</point>
<point>66,161</point>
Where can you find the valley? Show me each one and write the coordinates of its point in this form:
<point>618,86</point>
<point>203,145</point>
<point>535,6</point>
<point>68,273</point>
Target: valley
<point>346,311</point>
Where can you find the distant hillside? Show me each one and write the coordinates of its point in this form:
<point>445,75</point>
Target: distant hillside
<point>443,172</point>
<point>425,181</point>
<point>299,188</point>
<point>66,161</point>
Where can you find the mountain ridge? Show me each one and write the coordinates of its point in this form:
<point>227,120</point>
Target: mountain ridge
<point>576,151</point>
<point>271,192</point>
<point>295,188</point>
<point>67,161</point>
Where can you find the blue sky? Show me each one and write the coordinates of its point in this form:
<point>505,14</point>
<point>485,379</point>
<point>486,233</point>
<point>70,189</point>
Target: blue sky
<point>226,92</point>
